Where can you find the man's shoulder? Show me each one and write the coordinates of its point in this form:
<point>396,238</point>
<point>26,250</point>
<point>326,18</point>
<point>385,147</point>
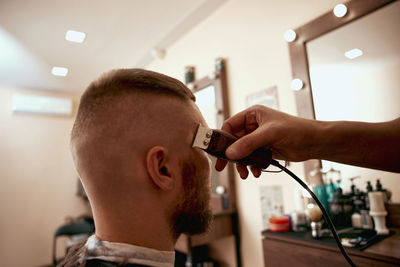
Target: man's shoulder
<point>74,259</point>
<point>102,263</point>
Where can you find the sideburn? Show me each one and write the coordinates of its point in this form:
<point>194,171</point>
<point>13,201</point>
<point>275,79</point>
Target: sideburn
<point>192,214</point>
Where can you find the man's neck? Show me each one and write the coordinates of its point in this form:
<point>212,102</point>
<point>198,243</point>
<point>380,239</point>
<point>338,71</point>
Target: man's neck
<point>150,231</point>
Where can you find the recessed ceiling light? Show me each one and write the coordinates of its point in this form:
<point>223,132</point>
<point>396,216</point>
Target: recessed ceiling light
<point>75,36</point>
<point>59,71</point>
<point>353,53</point>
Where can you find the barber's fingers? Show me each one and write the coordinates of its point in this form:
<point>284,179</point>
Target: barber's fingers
<point>235,123</point>
<point>242,170</point>
<point>242,123</point>
<point>247,144</point>
<point>220,164</point>
<point>244,173</point>
<point>256,172</point>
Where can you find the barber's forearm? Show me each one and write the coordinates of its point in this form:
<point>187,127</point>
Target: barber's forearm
<point>372,145</point>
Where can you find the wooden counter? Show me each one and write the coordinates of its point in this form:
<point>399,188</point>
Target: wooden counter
<point>281,250</point>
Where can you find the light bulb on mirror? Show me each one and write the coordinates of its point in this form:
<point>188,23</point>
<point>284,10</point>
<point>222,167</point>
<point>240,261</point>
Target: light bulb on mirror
<point>212,75</point>
<point>220,190</point>
<point>340,10</point>
<point>290,35</point>
<point>296,84</point>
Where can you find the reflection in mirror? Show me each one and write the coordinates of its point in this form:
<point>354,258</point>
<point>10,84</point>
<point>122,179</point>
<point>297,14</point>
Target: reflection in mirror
<point>365,88</point>
<point>205,100</point>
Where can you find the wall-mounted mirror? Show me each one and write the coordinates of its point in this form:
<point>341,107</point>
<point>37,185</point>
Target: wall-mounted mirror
<point>355,75</point>
<point>350,67</point>
<point>205,100</point>
<point>212,99</point>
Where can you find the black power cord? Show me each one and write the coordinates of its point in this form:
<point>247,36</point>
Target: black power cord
<point>324,213</point>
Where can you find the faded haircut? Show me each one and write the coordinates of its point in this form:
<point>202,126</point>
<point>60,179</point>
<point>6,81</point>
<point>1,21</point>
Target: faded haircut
<point>120,83</point>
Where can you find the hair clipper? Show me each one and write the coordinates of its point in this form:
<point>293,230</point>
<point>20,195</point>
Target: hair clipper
<point>215,142</point>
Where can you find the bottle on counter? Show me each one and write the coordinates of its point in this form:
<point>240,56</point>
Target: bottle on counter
<point>380,189</point>
<point>369,189</point>
<point>341,208</point>
<point>353,186</point>
<point>356,218</point>
<point>378,212</point>
<point>330,190</point>
<point>366,219</point>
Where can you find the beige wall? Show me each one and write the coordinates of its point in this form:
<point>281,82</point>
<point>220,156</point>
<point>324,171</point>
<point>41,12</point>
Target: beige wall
<point>38,183</point>
<point>249,34</point>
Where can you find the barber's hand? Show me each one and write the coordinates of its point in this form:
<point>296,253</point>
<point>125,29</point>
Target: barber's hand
<point>291,138</point>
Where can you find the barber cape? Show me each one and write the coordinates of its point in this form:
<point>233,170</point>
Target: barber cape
<point>96,252</point>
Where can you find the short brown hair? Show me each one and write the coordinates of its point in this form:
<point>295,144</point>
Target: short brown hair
<point>122,82</point>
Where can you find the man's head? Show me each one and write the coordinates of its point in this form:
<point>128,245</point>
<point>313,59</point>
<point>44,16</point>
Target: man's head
<point>131,147</point>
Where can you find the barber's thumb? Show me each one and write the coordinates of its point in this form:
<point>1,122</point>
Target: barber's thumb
<point>240,149</point>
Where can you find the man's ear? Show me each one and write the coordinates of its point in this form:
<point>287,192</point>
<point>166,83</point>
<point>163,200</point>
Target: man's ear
<point>159,168</point>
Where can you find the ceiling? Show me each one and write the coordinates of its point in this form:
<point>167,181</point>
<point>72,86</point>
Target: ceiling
<point>376,34</point>
<point>120,33</point>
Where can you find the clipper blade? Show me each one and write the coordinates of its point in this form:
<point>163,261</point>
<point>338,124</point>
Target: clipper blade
<point>202,137</point>
<point>215,142</point>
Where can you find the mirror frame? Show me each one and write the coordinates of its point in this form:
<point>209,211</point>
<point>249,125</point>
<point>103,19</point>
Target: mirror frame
<point>299,60</point>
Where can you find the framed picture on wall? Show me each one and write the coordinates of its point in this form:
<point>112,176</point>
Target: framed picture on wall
<point>267,97</point>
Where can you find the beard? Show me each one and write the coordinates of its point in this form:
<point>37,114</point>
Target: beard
<point>192,214</point>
